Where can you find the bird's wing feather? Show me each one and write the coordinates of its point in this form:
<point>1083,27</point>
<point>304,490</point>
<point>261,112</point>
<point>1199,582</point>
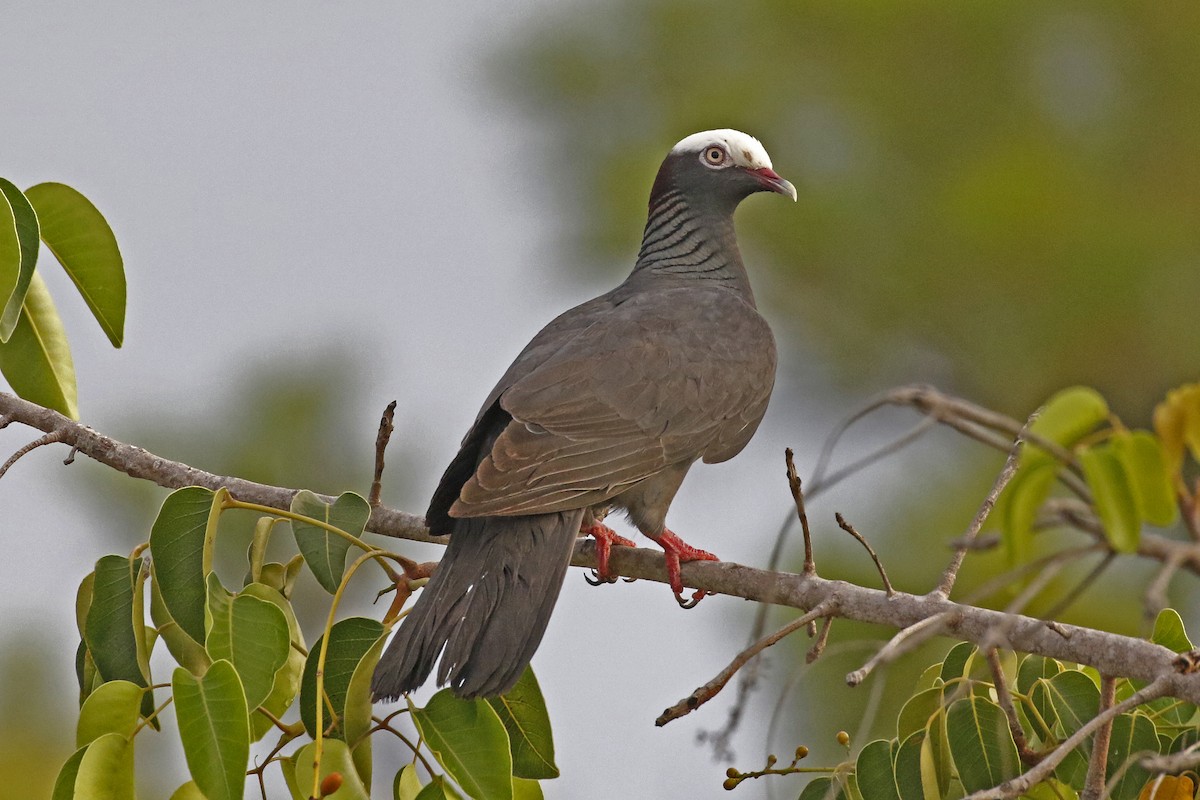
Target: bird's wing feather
<point>663,378</point>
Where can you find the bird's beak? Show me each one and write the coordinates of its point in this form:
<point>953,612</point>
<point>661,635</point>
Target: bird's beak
<point>771,181</point>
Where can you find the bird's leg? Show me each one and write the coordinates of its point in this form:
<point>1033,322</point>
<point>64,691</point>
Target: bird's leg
<point>677,551</point>
<point>605,538</point>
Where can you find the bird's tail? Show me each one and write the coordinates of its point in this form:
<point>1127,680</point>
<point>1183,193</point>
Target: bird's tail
<point>486,605</point>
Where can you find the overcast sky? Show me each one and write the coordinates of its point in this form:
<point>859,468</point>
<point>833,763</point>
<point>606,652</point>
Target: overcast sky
<point>278,180</point>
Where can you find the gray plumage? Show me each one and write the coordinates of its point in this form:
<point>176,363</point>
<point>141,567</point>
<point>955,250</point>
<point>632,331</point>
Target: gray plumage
<point>607,407</point>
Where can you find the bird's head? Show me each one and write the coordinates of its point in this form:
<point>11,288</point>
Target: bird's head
<point>724,166</point>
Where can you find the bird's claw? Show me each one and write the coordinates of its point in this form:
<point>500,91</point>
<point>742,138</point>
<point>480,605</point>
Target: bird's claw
<point>605,538</point>
<point>697,596</point>
<point>596,579</point>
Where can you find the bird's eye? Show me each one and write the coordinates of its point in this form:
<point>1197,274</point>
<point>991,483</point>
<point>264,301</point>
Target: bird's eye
<point>714,156</point>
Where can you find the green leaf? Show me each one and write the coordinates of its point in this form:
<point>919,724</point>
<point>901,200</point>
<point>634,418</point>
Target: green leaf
<point>1113,496</point>
<point>818,789</point>
<point>1034,667</point>
<point>185,650</point>
<point>349,642</point>
<point>406,785</point>
<point>106,770</point>
<point>437,789</point>
<point>527,789</point>
<point>936,760</point>
<point>282,577</point>
<point>28,233</point>
<point>523,712</point>
<point>958,661</point>
<point>335,757</point>
<point>112,708</point>
<point>79,237</point>
<point>1170,633</point>
<point>214,729</point>
<point>188,791</point>
<point>1066,418</point>
<point>251,634</point>
<point>1075,699</point>
<point>1145,466</point>
<point>1023,498</point>
<point>10,251</point>
<point>64,784</point>
<point>469,741</point>
<point>36,360</point>
<point>325,552</point>
<point>287,679</point>
<point>181,541</point>
<point>257,552</point>
<point>908,767</point>
<point>874,771</point>
<point>918,710</point>
<point>1132,736</point>
<point>356,718</point>
<point>109,629</point>
<point>981,743</point>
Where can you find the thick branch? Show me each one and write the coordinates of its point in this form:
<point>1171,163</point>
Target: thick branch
<point>1109,653</point>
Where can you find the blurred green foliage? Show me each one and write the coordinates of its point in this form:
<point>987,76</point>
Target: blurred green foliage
<point>997,197</point>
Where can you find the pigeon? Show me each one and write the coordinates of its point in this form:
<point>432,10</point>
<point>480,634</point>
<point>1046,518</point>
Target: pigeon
<point>607,408</point>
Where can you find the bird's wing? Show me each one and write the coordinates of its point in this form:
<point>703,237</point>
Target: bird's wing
<point>663,378</point>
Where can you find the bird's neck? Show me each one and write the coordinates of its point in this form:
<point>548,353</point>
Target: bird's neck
<point>686,241</point>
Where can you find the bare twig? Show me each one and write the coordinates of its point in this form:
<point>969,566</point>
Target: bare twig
<point>810,566</point>
<point>41,441</point>
<point>1156,593</point>
<point>1005,700</point>
<point>1093,785</point>
<point>848,528</point>
<point>903,642</point>
<point>950,575</point>
<point>709,690</point>
<point>386,426</point>
<point>1022,783</point>
<point>818,647</point>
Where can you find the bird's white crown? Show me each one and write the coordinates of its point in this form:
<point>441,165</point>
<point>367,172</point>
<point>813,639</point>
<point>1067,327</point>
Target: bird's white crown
<point>744,149</point>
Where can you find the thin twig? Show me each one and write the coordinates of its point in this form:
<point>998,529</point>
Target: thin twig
<point>903,642</point>
<point>950,575</point>
<point>1156,593</point>
<point>709,690</point>
<point>1005,700</point>
<point>386,426</point>
<point>848,528</point>
<point>810,566</point>
<point>818,647</point>
<point>1093,785</point>
<point>1022,783</point>
<point>41,441</point>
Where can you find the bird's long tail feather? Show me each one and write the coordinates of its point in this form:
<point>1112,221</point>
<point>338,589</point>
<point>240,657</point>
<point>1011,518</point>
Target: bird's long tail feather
<point>486,606</point>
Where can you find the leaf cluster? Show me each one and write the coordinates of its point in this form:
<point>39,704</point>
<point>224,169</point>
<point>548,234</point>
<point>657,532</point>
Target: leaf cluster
<point>244,672</point>
<point>953,737</point>
<point>35,357</point>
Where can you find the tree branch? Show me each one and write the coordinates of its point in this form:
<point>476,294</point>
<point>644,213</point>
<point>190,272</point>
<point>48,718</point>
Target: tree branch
<point>1110,653</point>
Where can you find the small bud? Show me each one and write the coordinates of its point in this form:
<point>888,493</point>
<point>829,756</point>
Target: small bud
<point>771,759</point>
<point>332,782</point>
<point>801,752</point>
<point>730,784</point>
<point>732,773</point>
<point>843,738</point>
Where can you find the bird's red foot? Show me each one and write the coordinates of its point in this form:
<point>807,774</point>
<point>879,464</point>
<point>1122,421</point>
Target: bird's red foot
<point>677,551</point>
<point>605,538</point>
